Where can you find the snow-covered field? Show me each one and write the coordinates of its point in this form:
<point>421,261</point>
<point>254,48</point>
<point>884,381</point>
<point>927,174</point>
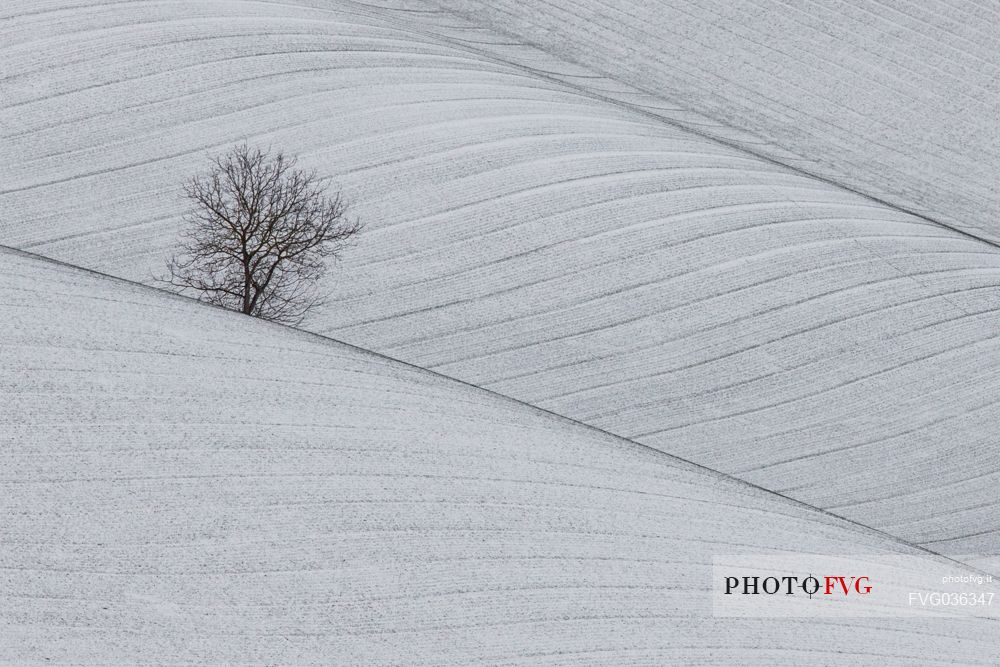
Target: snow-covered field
<point>530,237</point>
<point>896,99</point>
<point>180,483</point>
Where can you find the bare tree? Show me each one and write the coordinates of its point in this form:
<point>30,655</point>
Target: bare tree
<point>260,235</point>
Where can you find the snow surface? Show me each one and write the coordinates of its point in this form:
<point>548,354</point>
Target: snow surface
<point>532,231</point>
<point>895,99</point>
<point>184,484</point>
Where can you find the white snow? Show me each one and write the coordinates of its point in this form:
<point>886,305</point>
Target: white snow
<point>534,227</point>
<point>895,99</point>
<point>528,237</point>
<point>184,484</point>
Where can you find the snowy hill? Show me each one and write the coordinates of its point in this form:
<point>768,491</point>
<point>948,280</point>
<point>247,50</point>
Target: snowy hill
<point>532,231</point>
<point>181,483</point>
<point>895,99</point>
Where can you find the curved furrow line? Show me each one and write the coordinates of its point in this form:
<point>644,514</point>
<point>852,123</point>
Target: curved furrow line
<point>912,72</point>
<point>856,65</point>
<point>631,387</point>
<point>836,320</point>
<point>617,199</point>
<point>562,243</point>
<point>877,441</point>
<point>440,105</point>
<point>402,54</point>
<point>797,368</point>
<point>772,80</point>
<point>867,376</point>
<point>203,149</point>
<point>829,361</point>
<point>656,282</point>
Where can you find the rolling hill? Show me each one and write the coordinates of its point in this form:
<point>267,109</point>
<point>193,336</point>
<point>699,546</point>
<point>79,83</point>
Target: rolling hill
<point>184,484</point>
<point>895,99</point>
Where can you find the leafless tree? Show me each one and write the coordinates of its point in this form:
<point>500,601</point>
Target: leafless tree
<point>260,235</point>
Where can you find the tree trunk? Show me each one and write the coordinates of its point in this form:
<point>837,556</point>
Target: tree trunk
<point>247,303</point>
